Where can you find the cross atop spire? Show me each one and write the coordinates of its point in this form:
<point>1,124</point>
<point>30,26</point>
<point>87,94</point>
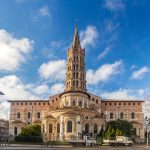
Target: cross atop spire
<point>76,40</point>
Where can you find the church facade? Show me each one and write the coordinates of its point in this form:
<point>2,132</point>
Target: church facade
<point>75,112</point>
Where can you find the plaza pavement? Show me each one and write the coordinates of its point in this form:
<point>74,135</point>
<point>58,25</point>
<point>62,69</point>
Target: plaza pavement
<point>38,147</point>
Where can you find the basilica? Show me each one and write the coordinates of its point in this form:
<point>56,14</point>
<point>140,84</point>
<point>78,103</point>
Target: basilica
<point>75,112</point>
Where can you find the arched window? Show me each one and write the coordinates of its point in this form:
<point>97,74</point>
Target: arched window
<point>29,115</point>
<point>80,103</point>
<point>73,83</point>
<point>111,115</point>
<point>18,115</point>
<point>58,127</point>
<point>76,67</point>
<point>121,115</point>
<point>77,83</point>
<point>76,75</point>
<point>73,75</point>
<point>50,128</point>
<point>69,126</point>
<point>132,115</point>
<point>15,130</point>
<point>73,67</point>
<point>86,128</point>
<point>38,115</point>
<point>74,103</point>
<point>95,128</point>
<point>76,58</point>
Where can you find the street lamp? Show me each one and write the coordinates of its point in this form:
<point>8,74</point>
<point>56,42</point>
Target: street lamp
<point>147,125</point>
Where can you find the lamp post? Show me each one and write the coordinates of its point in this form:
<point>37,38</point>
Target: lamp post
<point>147,126</point>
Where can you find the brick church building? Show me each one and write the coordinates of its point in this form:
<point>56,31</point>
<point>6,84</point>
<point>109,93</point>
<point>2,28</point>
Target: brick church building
<point>76,111</point>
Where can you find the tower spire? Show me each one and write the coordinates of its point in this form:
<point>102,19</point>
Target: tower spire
<point>76,40</point>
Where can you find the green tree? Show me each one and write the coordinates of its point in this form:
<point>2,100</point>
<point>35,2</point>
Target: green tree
<point>31,130</point>
<point>31,133</point>
<point>122,127</point>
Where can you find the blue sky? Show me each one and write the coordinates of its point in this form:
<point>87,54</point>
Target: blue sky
<point>35,36</point>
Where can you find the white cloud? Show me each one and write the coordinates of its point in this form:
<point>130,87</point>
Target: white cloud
<point>124,94</point>
<point>104,53</point>
<point>44,11</point>
<point>53,70</point>
<point>114,5</point>
<point>57,88</point>
<point>13,51</point>
<point>104,72</point>
<point>88,36</point>
<point>139,74</point>
<point>15,89</point>
<point>41,89</point>
<point>110,25</point>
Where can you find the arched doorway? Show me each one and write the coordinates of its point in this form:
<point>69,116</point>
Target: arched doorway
<point>86,129</point>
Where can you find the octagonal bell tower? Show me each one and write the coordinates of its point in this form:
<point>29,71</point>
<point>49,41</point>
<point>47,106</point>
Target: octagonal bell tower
<point>75,93</point>
<point>75,69</point>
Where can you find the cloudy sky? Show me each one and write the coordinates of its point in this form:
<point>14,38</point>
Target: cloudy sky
<point>35,35</point>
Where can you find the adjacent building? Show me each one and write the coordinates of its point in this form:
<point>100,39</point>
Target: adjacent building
<point>4,129</point>
<point>74,112</point>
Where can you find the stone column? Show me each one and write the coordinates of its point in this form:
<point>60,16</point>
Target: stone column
<point>61,128</point>
<point>83,104</point>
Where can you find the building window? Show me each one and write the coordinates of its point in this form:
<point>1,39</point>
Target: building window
<point>73,75</point>
<point>18,115</point>
<point>105,103</point>
<point>15,130</point>
<point>133,103</point>
<point>43,128</point>
<point>58,127</point>
<point>129,104</point>
<point>76,75</point>
<point>74,103</point>
<point>86,128</point>
<point>80,103</point>
<point>138,103</point>
<point>77,83</point>
<point>114,103</point>
<point>29,115</point>
<point>69,126</point>
<point>30,103</point>
<point>76,67</point>
<point>124,103</point>
<point>38,115</point>
<point>73,83</point>
<point>50,128</point>
<point>95,129</point>
<point>109,103</point>
<point>111,115</point>
<point>132,115</point>
<point>119,103</point>
<point>97,101</point>
<point>121,115</point>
